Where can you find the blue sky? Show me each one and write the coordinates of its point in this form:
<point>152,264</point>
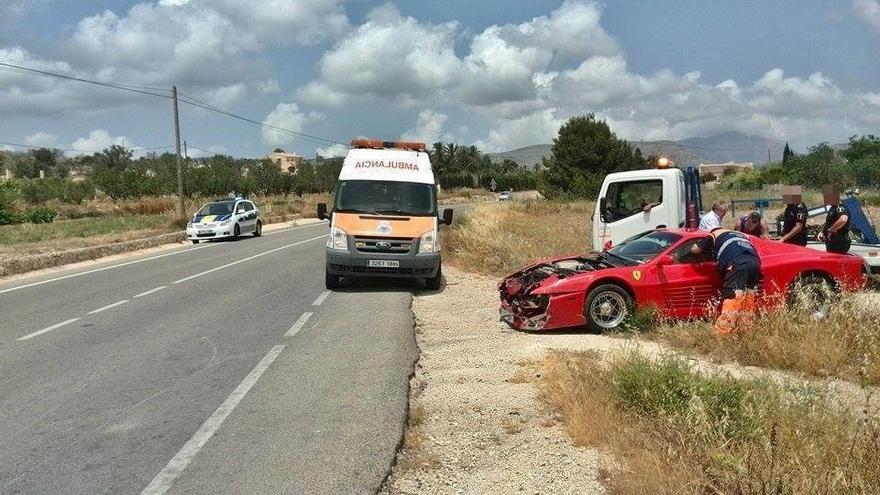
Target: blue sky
<point>497,73</point>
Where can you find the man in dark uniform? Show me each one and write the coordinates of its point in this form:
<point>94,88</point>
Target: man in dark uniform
<point>835,232</point>
<point>794,218</point>
<point>739,264</point>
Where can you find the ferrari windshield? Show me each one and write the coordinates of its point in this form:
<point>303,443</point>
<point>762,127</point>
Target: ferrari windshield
<point>645,246</point>
<point>219,208</point>
<point>385,197</point>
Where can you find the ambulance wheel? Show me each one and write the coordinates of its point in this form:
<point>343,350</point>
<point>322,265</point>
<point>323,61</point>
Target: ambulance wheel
<point>258,230</point>
<point>813,293</point>
<point>195,241</point>
<point>433,283</point>
<point>607,307</point>
<point>236,233</point>
<point>331,281</point>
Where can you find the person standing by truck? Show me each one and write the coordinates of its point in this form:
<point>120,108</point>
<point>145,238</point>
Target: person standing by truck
<point>739,264</point>
<point>794,218</point>
<point>713,219</point>
<point>835,232</point>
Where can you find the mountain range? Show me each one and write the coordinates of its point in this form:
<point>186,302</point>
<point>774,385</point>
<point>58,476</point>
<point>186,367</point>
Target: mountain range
<point>717,148</point>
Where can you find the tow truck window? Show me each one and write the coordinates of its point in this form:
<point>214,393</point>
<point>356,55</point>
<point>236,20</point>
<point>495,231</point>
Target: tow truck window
<point>385,197</point>
<point>625,199</point>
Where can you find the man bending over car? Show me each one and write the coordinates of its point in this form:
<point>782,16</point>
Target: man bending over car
<point>739,264</point>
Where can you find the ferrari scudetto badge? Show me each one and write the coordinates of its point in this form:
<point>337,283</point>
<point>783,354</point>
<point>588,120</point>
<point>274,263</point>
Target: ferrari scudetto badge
<point>384,227</point>
<point>637,274</point>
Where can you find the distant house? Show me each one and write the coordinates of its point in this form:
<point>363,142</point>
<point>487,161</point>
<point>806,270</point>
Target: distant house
<point>719,169</point>
<point>289,162</point>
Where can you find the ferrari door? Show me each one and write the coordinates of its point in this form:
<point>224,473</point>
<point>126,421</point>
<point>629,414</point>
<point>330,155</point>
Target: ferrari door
<point>691,284</point>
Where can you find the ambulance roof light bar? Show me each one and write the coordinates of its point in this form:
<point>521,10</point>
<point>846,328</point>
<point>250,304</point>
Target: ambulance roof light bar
<point>379,144</point>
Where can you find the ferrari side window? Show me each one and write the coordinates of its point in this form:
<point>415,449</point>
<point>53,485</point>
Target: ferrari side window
<point>682,254</point>
<point>631,197</point>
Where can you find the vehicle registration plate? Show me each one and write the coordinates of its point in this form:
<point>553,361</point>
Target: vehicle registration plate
<point>383,263</point>
<point>205,232</point>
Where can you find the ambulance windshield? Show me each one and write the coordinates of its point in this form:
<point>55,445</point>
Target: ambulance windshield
<point>385,197</point>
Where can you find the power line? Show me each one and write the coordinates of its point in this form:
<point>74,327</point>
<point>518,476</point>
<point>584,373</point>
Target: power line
<point>133,89</point>
<point>305,137</point>
<point>74,150</point>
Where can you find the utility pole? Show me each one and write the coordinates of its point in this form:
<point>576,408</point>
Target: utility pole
<point>179,161</point>
<point>185,155</point>
<point>768,156</point>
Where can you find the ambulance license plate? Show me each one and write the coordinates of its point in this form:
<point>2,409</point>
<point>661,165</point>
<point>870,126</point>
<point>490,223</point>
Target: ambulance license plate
<point>383,263</point>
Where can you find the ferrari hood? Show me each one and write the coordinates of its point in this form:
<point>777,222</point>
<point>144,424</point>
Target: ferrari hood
<point>549,271</point>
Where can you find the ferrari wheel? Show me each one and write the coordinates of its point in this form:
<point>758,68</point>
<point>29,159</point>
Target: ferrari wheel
<point>812,293</point>
<point>607,307</point>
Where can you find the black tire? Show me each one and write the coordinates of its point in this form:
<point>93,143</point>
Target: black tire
<point>258,230</point>
<point>813,293</point>
<point>236,233</point>
<point>607,307</point>
<point>195,241</point>
<point>434,282</point>
<point>331,281</point>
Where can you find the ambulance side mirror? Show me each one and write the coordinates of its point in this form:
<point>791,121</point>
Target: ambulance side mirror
<point>322,211</point>
<point>447,216</point>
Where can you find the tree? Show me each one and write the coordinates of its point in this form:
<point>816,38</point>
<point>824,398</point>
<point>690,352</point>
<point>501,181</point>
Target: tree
<point>584,151</point>
<point>786,154</point>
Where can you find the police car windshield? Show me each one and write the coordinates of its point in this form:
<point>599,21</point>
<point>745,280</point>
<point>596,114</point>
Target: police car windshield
<point>385,197</point>
<point>645,246</point>
<point>221,208</point>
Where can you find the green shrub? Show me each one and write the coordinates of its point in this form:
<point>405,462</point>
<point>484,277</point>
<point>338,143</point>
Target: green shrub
<point>78,191</point>
<point>42,190</point>
<point>40,215</point>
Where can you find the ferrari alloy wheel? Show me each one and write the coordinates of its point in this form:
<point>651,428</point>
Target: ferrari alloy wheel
<point>607,307</point>
<point>812,293</point>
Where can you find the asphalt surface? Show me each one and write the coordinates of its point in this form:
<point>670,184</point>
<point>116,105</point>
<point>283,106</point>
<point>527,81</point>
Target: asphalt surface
<point>200,370</point>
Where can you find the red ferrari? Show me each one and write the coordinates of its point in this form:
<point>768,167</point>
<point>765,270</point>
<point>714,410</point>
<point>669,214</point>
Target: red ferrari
<point>657,269</point>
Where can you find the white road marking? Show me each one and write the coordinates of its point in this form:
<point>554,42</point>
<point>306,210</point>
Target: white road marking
<point>48,329</point>
<point>163,481</point>
<point>321,298</point>
<point>297,326</point>
<point>104,268</point>
<point>109,306</point>
<point>212,270</point>
<point>288,229</point>
<point>151,291</point>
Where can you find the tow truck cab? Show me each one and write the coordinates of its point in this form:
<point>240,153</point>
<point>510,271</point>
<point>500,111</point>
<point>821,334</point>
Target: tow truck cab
<point>636,201</point>
<point>384,219</point>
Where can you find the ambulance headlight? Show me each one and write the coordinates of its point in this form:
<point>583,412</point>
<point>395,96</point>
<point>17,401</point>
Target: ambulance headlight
<point>429,243</point>
<point>338,239</point>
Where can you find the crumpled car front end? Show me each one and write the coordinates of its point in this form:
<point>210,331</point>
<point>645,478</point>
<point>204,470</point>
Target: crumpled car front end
<point>532,300</point>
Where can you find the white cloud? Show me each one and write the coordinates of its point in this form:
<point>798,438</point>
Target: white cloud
<point>537,128</point>
<point>429,128</point>
<point>286,116</point>
<point>869,11</point>
<point>334,150</point>
<point>98,140</point>
<point>42,139</point>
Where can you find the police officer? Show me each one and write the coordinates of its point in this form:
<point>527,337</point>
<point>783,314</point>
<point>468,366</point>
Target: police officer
<point>739,264</point>
<point>794,218</point>
<point>835,232</point>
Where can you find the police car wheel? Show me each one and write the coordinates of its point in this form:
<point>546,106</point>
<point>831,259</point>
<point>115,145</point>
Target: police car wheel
<point>195,241</point>
<point>812,293</point>
<point>258,230</point>
<point>331,281</point>
<point>607,307</point>
<point>236,232</point>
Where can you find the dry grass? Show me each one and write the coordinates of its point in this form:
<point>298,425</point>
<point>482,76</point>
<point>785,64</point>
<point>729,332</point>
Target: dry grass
<point>670,430</point>
<point>413,455</point>
<point>464,195</point>
<point>499,238</point>
<point>844,345</point>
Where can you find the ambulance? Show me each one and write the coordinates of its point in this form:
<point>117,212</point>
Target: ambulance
<point>384,219</point>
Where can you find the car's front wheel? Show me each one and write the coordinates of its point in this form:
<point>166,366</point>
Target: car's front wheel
<point>607,307</point>
<point>258,230</point>
<point>434,282</point>
<point>195,241</point>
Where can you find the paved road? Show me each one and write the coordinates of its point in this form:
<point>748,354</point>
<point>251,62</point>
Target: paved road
<point>217,368</point>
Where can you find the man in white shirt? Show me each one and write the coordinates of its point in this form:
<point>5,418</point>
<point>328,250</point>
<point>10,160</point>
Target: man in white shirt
<point>712,220</point>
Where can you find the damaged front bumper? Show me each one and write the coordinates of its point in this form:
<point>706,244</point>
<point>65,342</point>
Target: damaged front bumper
<point>536,322</point>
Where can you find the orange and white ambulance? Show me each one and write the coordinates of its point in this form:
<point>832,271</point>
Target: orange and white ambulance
<point>384,221</point>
